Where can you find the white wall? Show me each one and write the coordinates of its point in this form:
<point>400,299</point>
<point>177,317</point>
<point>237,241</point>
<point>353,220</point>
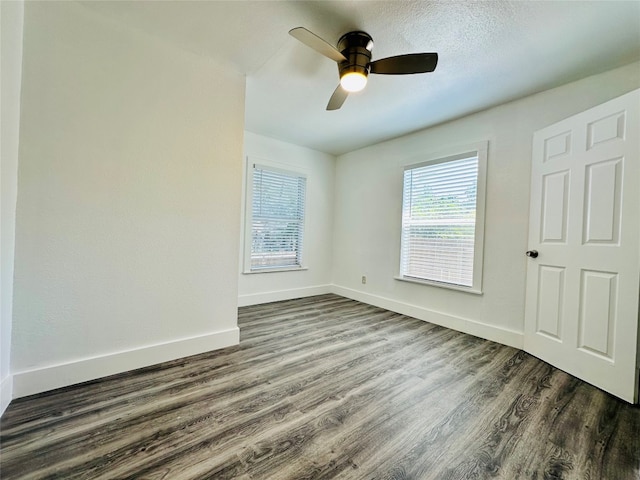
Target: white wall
<point>368,207</point>
<point>128,207</point>
<point>11,20</point>
<point>317,251</point>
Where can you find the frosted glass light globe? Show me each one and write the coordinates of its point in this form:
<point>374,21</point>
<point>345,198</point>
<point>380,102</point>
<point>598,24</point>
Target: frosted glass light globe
<point>353,81</point>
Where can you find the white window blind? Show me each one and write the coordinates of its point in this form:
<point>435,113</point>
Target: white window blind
<point>277,219</point>
<point>439,221</point>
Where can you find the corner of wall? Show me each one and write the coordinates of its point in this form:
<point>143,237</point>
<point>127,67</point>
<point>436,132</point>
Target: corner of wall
<point>12,22</point>
<point>6,393</point>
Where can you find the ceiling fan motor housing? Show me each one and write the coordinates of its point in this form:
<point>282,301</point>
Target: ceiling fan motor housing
<point>356,47</point>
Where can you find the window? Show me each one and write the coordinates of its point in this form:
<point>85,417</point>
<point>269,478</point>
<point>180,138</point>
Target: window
<point>277,219</point>
<point>443,221</point>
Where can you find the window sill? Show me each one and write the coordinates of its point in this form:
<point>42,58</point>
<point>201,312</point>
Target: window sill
<point>274,269</point>
<point>431,283</point>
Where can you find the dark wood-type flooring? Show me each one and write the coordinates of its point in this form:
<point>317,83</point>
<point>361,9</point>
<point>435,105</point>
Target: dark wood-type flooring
<point>326,387</point>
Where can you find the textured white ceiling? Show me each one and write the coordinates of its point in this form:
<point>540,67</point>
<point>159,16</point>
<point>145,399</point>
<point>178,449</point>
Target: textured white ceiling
<point>489,53</point>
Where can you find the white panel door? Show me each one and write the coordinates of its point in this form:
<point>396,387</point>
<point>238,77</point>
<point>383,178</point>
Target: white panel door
<point>583,286</point>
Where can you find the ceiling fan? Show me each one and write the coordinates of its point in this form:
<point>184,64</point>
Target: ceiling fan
<point>353,56</point>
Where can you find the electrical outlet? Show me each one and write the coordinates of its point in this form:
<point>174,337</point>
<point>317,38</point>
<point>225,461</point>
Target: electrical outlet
<point>364,279</point>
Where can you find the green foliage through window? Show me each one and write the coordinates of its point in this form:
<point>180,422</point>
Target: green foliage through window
<point>438,221</point>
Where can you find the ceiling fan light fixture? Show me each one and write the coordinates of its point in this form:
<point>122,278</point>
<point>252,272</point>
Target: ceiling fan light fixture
<point>353,81</point>
<point>353,56</point>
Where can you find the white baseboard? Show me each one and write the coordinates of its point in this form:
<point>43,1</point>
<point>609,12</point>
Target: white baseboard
<point>29,382</point>
<point>62,375</point>
<point>279,295</point>
<point>504,336</point>
<point>6,393</point>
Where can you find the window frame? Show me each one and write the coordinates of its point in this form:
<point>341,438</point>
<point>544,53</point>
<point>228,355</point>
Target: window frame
<point>480,150</point>
<point>263,164</point>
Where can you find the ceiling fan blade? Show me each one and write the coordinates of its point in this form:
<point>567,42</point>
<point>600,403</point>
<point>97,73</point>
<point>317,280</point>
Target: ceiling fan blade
<point>337,99</point>
<point>310,39</point>
<point>405,64</point>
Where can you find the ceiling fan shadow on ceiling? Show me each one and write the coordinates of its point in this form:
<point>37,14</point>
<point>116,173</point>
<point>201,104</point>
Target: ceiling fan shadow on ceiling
<point>353,56</point>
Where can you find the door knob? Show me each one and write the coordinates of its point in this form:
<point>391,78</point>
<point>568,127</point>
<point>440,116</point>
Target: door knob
<point>532,253</point>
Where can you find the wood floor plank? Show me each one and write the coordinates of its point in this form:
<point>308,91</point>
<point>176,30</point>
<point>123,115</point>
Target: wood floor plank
<point>425,453</point>
<point>328,388</point>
